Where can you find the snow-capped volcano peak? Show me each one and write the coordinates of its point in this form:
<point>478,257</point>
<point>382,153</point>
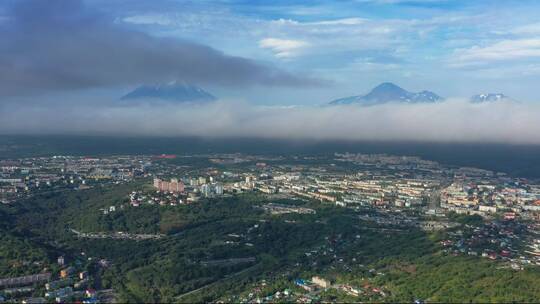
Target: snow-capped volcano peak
<point>177,91</point>
<point>489,97</point>
<point>389,92</point>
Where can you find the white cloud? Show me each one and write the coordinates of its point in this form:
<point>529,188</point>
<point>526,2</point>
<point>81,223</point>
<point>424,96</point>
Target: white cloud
<point>364,34</point>
<point>150,19</point>
<point>369,64</point>
<point>290,38</point>
<point>344,21</point>
<point>505,50</point>
<point>530,29</point>
<point>480,41</point>
<point>453,120</point>
<point>283,48</point>
<point>399,1</point>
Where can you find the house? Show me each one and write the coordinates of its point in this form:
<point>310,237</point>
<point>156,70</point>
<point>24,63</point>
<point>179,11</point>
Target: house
<point>303,284</point>
<point>34,301</point>
<point>320,282</point>
<point>351,290</point>
<point>58,284</point>
<point>103,263</point>
<point>90,293</point>
<point>64,273</point>
<point>509,216</point>
<point>83,275</point>
<point>62,293</point>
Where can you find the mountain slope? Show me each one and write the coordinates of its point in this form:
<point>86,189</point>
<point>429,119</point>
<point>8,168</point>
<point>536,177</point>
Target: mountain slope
<point>172,91</point>
<point>388,92</point>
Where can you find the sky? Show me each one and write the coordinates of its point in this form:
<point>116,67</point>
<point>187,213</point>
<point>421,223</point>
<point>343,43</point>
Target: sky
<point>307,52</point>
<point>68,61</point>
<point>454,48</point>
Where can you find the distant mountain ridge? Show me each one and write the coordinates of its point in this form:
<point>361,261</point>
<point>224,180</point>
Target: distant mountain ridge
<point>388,92</point>
<point>173,91</point>
<point>489,97</point>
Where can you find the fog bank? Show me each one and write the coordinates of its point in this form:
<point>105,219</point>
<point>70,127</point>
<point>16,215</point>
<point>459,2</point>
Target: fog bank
<point>450,121</point>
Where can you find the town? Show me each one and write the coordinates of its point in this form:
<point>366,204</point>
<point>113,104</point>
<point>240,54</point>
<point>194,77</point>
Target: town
<point>480,213</point>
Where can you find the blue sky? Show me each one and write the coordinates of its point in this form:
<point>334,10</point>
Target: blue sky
<point>454,48</point>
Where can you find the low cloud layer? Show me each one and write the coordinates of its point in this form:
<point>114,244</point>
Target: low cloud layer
<point>451,121</point>
<point>57,45</point>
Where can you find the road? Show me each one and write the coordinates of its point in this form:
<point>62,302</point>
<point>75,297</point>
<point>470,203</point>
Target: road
<point>217,282</point>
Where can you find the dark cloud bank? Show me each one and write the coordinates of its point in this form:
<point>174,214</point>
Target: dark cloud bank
<point>49,45</point>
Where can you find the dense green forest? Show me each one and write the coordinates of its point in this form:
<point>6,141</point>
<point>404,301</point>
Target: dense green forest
<point>218,248</point>
<point>18,254</point>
